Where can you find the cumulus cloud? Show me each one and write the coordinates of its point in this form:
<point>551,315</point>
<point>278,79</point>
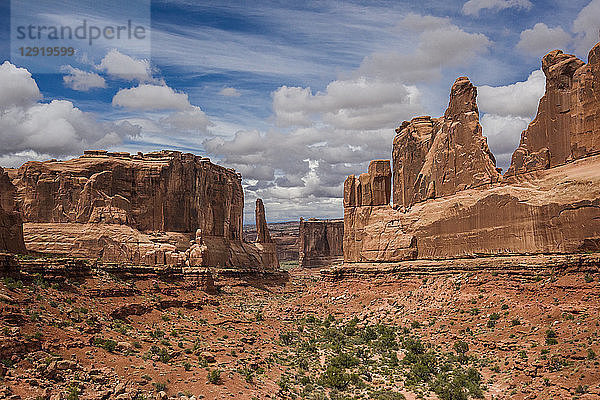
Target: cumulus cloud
<point>587,27</point>
<point>82,80</point>
<point>147,97</point>
<point>507,112</point>
<point>518,99</point>
<point>230,92</point>
<point>473,7</point>
<point>191,119</point>
<point>541,39</point>
<point>125,67</point>
<point>440,44</point>
<point>57,128</point>
<point>349,104</point>
<point>18,87</point>
<point>503,134</point>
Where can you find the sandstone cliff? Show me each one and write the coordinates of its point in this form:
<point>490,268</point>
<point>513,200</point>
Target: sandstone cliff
<point>450,201</point>
<point>567,125</point>
<point>438,157</point>
<point>320,242</point>
<point>144,208</point>
<point>11,224</point>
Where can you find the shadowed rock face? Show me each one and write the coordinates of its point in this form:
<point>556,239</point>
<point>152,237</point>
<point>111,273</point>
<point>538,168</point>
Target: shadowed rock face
<point>438,157</point>
<point>320,242</point>
<point>450,201</point>
<point>11,224</point>
<point>147,207</point>
<point>567,124</point>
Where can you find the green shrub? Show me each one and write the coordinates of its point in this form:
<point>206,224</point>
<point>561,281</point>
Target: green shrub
<point>214,376</point>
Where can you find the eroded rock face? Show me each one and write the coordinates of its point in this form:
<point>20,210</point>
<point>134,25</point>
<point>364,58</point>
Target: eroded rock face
<point>552,211</point>
<point>369,189</point>
<point>450,201</point>
<point>439,157</point>
<point>11,224</point>
<point>262,230</point>
<point>142,209</point>
<point>163,191</point>
<point>567,124</point>
<point>320,242</point>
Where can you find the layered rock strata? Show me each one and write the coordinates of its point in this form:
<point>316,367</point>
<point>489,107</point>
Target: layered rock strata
<point>163,208</point>
<point>320,242</point>
<point>451,202</point>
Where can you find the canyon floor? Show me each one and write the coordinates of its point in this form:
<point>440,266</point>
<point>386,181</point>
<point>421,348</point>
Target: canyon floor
<point>455,336</point>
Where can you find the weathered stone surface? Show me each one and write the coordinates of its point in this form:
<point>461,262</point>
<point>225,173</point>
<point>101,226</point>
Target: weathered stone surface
<point>551,211</point>
<point>450,201</point>
<point>262,230</point>
<point>163,191</point>
<point>320,242</point>
<point>11,224</point>
<point>142,209</point>
<point>439,157</point>
<point>369,189</point>
<point>567,124</point>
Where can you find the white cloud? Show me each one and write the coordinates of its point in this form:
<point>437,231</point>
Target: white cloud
<point>147,97</point>
<point>587,27</point>
<point>541,39</point>
<point>18,87</point>
<point>192,119</point>
<point>440,44</point>
<point>503,134</point>
<point>518,99</point>
<point>507,112</point>
<point>230,92</point>
<point>125,67</point>
<point>473,7</point>
<point>57,128</point>
<point>82,80</point>
<point>349,104</point>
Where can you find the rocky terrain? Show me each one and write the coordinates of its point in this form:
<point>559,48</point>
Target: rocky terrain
<point>530,333</point>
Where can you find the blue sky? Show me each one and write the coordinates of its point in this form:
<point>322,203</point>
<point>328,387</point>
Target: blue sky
<point>294,96</point>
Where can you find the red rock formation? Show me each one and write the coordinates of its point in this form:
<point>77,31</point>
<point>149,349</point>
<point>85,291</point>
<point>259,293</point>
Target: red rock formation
<point>320,242</point>
<point>450,201</point>
<point>554,211</point>
<point>438,157</point>
<point>567,125</point>
<point>11,224</point>
<point>113,206</point>
<point>264,242</point>
<point>369,189</point>
<point>163,191</point>
<point>262,230</point>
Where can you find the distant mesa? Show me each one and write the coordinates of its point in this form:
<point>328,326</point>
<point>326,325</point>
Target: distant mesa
<point>449,199</point>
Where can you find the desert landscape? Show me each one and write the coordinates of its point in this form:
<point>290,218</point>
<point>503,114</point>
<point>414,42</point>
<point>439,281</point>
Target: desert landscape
<point>134,276</point>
